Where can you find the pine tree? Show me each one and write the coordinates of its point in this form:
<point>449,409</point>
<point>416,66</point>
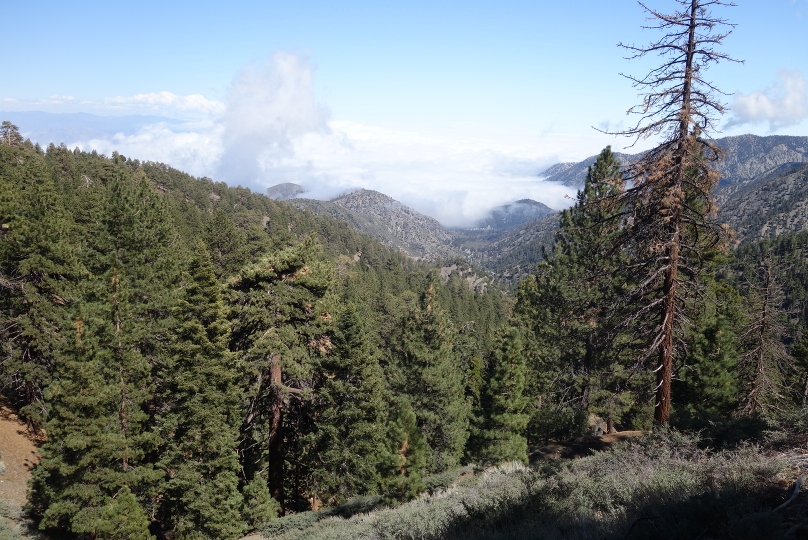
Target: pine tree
<point>500,436</point>
<point>434,382</point>
<point>122,518</point>
<point>672,220</point>
<point>97,436</point>
<point>404,462</point>
<point>765,357</point>
<point>277,328</point>
<point>709,379</point>
<point>101,440</point>
<point>10,135</point>
<point>350,414</point>
<point>226,243</point>
<point>568,305</point>
<point>39,268</point>
<point>259,506</point>
<point>588,272</point>
<point>200,403</point>
<point>800,355</point>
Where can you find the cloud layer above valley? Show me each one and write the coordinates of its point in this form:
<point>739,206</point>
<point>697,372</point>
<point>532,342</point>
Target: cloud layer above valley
<point>271,129</point>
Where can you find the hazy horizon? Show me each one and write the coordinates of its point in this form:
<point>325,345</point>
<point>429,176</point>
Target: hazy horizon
<point>451,108</point>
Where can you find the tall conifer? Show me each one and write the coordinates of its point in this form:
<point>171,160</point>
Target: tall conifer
<point>500,435</point>
<point>198,424</point>
<point>276,329</point>
<point>568,303</point>
<point>101,438</point>
<point>350,414</point>
<point>38,271</point>
<point>434,381</point>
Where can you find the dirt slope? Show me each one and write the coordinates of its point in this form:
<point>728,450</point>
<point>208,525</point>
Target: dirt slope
<point>19,454</point>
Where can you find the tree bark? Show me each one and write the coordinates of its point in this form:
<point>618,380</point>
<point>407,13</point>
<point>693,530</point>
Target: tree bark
<point>588,362</point>
<point>275,441</point>
<point>662,407</point>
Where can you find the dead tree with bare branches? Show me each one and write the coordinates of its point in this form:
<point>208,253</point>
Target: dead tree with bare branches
<point>765,358</point>
<point>670,217</point>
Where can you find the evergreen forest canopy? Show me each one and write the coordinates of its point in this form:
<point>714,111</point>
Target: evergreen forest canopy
<point>203,359</point>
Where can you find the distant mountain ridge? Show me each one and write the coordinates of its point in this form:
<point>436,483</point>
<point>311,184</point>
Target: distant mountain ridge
<point>764,193</point>
<point>392,222</point>
<point>423,237</point>
<point>748,157</point>
<point>769,206</point>
<point>514,214</point>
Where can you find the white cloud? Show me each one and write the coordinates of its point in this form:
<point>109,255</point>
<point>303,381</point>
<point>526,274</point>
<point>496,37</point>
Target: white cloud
<point>268,106</point>
<point>455,178</point>
<point>194,148</point>
<point>190,107</point>
<point>60,100</point>
<point>271,129</point>
<point>164,102</point>
<point>781,105</point>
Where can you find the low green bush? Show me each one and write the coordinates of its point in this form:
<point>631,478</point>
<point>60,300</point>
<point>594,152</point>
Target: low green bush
<point>444,480</point>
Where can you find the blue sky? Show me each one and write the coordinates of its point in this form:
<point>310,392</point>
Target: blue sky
<point>448,106</point>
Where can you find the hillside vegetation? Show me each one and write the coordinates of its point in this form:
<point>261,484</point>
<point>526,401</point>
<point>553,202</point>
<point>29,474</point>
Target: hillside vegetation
<point>201,362</point>
<point>244,357</point>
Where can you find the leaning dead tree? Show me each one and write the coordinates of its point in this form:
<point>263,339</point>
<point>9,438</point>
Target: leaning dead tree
<point>670,217</point>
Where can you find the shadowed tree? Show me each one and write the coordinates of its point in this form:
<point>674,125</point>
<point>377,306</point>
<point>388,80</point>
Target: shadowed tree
<point>765,357</point>
<point>276,328</point>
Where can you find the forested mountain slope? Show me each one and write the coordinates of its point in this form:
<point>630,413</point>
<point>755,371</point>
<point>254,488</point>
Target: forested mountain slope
<point>202,357</point>
<point>772,205</point>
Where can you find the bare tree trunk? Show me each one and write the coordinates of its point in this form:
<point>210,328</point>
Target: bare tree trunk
<point>275,442</point>
<point>588,361</point>
<point>30,399</point>
<point>759,379</point>
<point>662,407</point>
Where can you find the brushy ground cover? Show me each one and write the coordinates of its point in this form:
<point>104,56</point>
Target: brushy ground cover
<point>661,486</point>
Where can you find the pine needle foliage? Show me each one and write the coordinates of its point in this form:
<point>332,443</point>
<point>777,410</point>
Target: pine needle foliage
<point>499,437</point>
<point>350,414</point>
<point>199,414</point>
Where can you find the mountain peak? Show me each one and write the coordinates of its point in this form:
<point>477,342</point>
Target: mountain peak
<point>514,214</point>
<point>285,191</point>
<point>363,197</point>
